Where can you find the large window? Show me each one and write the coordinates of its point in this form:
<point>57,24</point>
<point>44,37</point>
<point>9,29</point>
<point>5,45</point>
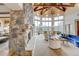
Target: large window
<point>37,23</point>
<point>46,24</point>
<point>55,18</point>
<point>58,23</point>
<point>50,24</point>
<point>43,23</point>
<point>46,19</point>
<point>58,18</point>
<point>36,18</point>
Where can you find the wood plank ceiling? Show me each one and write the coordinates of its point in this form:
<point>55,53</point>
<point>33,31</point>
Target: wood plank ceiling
<point>44,7</point>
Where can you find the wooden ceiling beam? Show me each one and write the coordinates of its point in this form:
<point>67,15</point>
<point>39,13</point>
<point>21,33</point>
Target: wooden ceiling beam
<point>55,4</point>
<point>41,8</point>
<point>35,8</point>
<point>41,13</point>
<point>62,8</point>
<point>45,10</point>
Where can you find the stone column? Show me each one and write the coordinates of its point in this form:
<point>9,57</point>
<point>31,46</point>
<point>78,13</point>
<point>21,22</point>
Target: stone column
<point>17,29</point>
<point>29,15</point>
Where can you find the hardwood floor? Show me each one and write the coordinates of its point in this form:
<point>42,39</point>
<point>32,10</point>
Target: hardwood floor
<point>4,49</point>
<point>37,46</point>
<point>57,52</point>
<point>41,48</point>
<point>23,53</point>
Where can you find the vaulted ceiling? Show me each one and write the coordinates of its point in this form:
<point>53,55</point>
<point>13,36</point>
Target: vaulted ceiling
<point>39,8</point>
<point>51,8</point>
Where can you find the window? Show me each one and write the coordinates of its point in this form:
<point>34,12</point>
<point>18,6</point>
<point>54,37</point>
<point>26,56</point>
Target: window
<point>56,18</point>
<point>37,23</point>
<point>46,19</point>
<point>43,18</point>
<point>50,23</point>
<point>36,17</point>
<point>50,19</point>
<point>59,18</point>
<point>57,23</point>
<point>46,24</point>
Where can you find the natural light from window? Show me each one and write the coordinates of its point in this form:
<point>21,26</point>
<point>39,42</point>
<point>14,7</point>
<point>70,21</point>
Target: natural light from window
<point>46,19</point>
<point>59,18</point>
<point>37,23</point>
<point>46,24</point>
<point>36,18</point>
<point>57,23</point>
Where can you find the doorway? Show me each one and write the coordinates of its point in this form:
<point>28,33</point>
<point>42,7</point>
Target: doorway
<point>78,28</point>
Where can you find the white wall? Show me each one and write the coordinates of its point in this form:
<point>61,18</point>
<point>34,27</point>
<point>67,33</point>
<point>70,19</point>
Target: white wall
<point>71,15</point>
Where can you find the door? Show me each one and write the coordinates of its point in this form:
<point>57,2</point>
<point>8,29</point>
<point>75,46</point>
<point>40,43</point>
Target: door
<point>78,28</point>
